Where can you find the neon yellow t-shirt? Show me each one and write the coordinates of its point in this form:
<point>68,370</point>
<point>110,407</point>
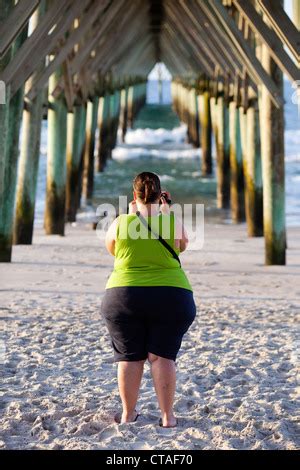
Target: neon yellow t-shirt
<point>141,260</point>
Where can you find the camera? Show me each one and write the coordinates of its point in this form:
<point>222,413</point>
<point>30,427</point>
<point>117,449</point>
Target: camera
<point>166,198</point>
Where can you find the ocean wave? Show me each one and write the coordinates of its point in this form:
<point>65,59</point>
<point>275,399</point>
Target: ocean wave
<point>156,136</point>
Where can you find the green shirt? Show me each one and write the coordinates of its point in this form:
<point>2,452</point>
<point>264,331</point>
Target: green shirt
<point>143,261</point>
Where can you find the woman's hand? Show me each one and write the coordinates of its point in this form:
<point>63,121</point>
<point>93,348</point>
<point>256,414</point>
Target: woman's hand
<point>132,208</point>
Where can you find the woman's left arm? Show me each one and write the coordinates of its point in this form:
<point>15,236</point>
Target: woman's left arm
<point>111,235</point>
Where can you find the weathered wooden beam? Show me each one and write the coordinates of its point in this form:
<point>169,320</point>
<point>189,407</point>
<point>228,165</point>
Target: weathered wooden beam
<point>131,49</point>
<point>179,50</point>
<point>130,32</point>
<point>269,37</point>
<point>14,67</point>
<point>13,25</point>
<point>83,55</point>
<point>29,157</point>
<point>20,69</point>
<point>224,43</point>
<point>285,28</point>
<point>198,48</point>
<point>87,21</point>
<point>138,57</point>
<point>272,147</point>
<point>222,55</point>
<point>254,67</point>
<point>127,49</point>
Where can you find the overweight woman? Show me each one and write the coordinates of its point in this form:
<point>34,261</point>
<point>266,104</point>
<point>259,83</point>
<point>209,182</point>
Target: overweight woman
<point>148,303</point>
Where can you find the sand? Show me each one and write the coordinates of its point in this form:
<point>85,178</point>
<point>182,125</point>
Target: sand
<point>238,370</point>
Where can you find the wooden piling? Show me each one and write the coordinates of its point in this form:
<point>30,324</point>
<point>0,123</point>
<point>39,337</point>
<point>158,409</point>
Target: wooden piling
<point>123,111</point>
<point>54,221</point>
<point>5,9</point>
<point>29,158</point>
<point>130,105</point>
<point>222,148</point>
<point>88,163</point>
<point>251,150</point>
<point>272,147</point>
<point>103,125</point>
<point>237,199</point>
<point>193,117</point>
<point>15,106</point>
<point>82,147</point>
<point>74,154</point>
<point>205,132</point>
<point>296,13</point>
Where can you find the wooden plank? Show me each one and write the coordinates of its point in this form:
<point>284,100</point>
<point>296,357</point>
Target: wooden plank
<point>225,44</point>
<point>34,40</point>
<point>18,72</point>
<point>82,58</point>
<point>254,67</point>
<point>129,35</point>
<point>15,23</point>
<point>131,24</point>
<point>180,50</point>
<point>283,25</point>
<point>112,15</point>
<point>198,49</point>
<point>225,56</point>
<point>136,50</point>
<point>271,40</point>
<point>179,62</point>
<point>86,22</point>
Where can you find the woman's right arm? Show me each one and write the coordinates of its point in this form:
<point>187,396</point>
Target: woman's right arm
<point>181,238</point>
<point>110,238</point>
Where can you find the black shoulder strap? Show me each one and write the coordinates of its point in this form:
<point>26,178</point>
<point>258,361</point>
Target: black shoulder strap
<point>159,238</point>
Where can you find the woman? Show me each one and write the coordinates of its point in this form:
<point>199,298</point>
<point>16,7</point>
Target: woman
<point>148,304</point>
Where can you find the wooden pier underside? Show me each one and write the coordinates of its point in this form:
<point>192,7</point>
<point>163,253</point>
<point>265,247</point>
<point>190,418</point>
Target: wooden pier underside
<point>86,63</point>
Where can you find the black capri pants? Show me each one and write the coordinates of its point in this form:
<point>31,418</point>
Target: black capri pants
<point>143,320</point>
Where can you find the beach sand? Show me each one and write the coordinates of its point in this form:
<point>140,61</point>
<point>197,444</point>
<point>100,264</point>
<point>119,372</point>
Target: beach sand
<point>238,370</point>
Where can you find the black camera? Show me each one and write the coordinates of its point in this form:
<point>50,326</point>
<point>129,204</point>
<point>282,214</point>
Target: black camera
<point>166,198</point>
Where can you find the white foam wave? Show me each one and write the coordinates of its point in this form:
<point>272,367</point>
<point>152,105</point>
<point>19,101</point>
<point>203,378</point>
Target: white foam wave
<point>156,136</point>
<point>127,153</point>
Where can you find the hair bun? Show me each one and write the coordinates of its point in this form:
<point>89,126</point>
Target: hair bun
<point>147,187</point>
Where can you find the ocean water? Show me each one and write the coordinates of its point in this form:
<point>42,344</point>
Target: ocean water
<point>157,143</point>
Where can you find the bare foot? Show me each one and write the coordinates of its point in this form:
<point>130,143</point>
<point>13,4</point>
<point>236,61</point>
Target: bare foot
<point>121,418</point>
<point>168,422</point>
<point>129,418</point>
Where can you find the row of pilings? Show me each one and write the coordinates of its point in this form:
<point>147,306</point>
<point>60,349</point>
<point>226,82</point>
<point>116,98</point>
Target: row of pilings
<point>81,136</point>
<point>249,144</point>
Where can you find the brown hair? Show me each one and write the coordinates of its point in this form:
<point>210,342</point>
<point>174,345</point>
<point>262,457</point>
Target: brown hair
<point>147,187</point>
